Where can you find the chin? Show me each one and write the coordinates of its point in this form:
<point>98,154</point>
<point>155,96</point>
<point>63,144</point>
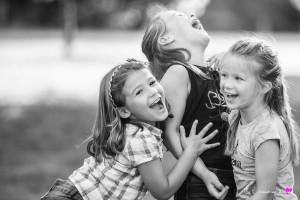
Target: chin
<point>164,117</point>
<point>207,40</point>
<point>231,107</point>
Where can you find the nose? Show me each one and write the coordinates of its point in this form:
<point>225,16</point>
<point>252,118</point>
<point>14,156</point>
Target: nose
<point>227,83</point>
<point>152,91</point>
<point>193,16</point>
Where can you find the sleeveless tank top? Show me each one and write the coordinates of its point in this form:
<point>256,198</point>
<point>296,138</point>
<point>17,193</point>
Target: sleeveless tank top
<point>206,103</point>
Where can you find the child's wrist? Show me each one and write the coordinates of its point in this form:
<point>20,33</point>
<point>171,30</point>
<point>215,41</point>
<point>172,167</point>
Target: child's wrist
<point>191,151</point>
<point>204,175</point>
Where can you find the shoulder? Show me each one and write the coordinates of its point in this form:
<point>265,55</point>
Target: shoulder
<point>177,69</point>
<point>176,76</point>
<point>142,145</point>
<point>138,135</point>
<point>270,123</point>
<point>269,128</point>
<point>175,72</point>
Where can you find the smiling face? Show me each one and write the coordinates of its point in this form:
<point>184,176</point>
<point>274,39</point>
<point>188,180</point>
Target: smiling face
<point>144,97</point>
<point>185,29</point>
<point>239,84</point>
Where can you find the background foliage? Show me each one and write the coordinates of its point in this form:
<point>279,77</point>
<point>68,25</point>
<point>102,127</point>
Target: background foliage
<point>280,15</point>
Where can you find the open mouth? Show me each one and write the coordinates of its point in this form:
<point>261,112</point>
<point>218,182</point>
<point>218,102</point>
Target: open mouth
<point>231,96</point>
<point>157,104</point>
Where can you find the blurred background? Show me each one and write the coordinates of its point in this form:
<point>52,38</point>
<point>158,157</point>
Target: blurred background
<point>53,54</point>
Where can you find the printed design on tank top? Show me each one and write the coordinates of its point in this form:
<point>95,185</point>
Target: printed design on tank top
<point>215,100</point>
<point>234,162</point>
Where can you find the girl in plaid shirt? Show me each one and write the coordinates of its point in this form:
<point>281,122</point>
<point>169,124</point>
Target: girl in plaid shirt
<point>125,146</point>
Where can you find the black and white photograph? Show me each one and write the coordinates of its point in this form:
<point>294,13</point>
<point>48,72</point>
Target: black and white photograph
<point>150,99</point>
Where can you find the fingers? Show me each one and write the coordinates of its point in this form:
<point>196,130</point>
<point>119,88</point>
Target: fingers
<point>215,187</point>
<point>182,133</point>
<point>194,128</point>
<point>215,192</point>
<point>212,58</point>
<point>209,146</point>
<point>205,129</point>
<point>215,59</point>
<point>210,136</point>
<point>218,184</point>
<point>219,193</point>
<point>223,193</point>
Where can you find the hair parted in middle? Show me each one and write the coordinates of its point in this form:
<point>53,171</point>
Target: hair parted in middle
<point>108,133</point>
<point>259,51</point>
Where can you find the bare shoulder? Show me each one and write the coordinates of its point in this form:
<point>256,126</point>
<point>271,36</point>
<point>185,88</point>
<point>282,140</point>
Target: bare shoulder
<point>177,73</point>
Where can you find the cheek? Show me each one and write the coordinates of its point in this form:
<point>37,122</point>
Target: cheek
<point>221,82</point>
<point>161,90</point>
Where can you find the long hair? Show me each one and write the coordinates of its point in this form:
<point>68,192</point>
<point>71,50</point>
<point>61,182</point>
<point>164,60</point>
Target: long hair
<point>108,133</point>
<point>160,59</point>
<point>268,70</point>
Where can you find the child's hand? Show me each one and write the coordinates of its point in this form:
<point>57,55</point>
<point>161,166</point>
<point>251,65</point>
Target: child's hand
<point>196,142</point>
<point>215,60</point>
<point>214,186</point>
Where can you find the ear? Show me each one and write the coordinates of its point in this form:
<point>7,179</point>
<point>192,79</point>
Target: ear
<point>166,39</point>
<point>266,87</point>
<point>123,112</point>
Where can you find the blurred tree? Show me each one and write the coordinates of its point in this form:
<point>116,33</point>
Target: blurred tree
<point>70,20</point>
<point>70,24</point>
<point>296,4</point>
<point>4,8</point>
<point>254,15</point>
<point>258,15</point>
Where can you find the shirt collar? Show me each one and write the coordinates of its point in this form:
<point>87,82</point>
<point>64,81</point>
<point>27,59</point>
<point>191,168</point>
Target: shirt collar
<point>152,129</point>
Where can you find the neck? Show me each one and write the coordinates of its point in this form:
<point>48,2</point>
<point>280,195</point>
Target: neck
<point>250,114</point>
<point>197,57</point>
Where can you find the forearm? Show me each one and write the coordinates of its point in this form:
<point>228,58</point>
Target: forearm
<point>172,142</point>
<point>199,169</point>
<point>177,175</point>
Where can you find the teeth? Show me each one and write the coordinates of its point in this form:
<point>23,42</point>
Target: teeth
<point>157,104</point>
<point>156,101</point>
<point>232,95</point>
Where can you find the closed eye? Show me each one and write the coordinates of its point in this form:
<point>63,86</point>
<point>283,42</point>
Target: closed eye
<point>238,78</point>
<point>138,92</point>
<point>179,14</point>
<point>223,75</point>
<point>152,83</point>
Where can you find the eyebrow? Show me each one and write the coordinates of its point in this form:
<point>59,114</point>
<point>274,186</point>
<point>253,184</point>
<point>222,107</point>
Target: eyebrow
<point>140,85</point>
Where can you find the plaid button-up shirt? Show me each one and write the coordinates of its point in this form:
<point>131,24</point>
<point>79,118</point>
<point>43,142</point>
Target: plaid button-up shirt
<point>119,178</point>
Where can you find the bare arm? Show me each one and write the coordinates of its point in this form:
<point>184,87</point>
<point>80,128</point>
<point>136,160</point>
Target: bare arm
<point>266,169</point>
<point>177,88</point>
<point>164,186</point>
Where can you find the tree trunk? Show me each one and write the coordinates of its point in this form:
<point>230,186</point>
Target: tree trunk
<point>70,24</point>
<point>4,10</point>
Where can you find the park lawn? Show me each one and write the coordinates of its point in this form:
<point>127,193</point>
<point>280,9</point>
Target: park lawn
<point>39,143</point>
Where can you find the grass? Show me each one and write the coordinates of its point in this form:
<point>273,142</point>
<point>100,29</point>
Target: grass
<point>38,144</point>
